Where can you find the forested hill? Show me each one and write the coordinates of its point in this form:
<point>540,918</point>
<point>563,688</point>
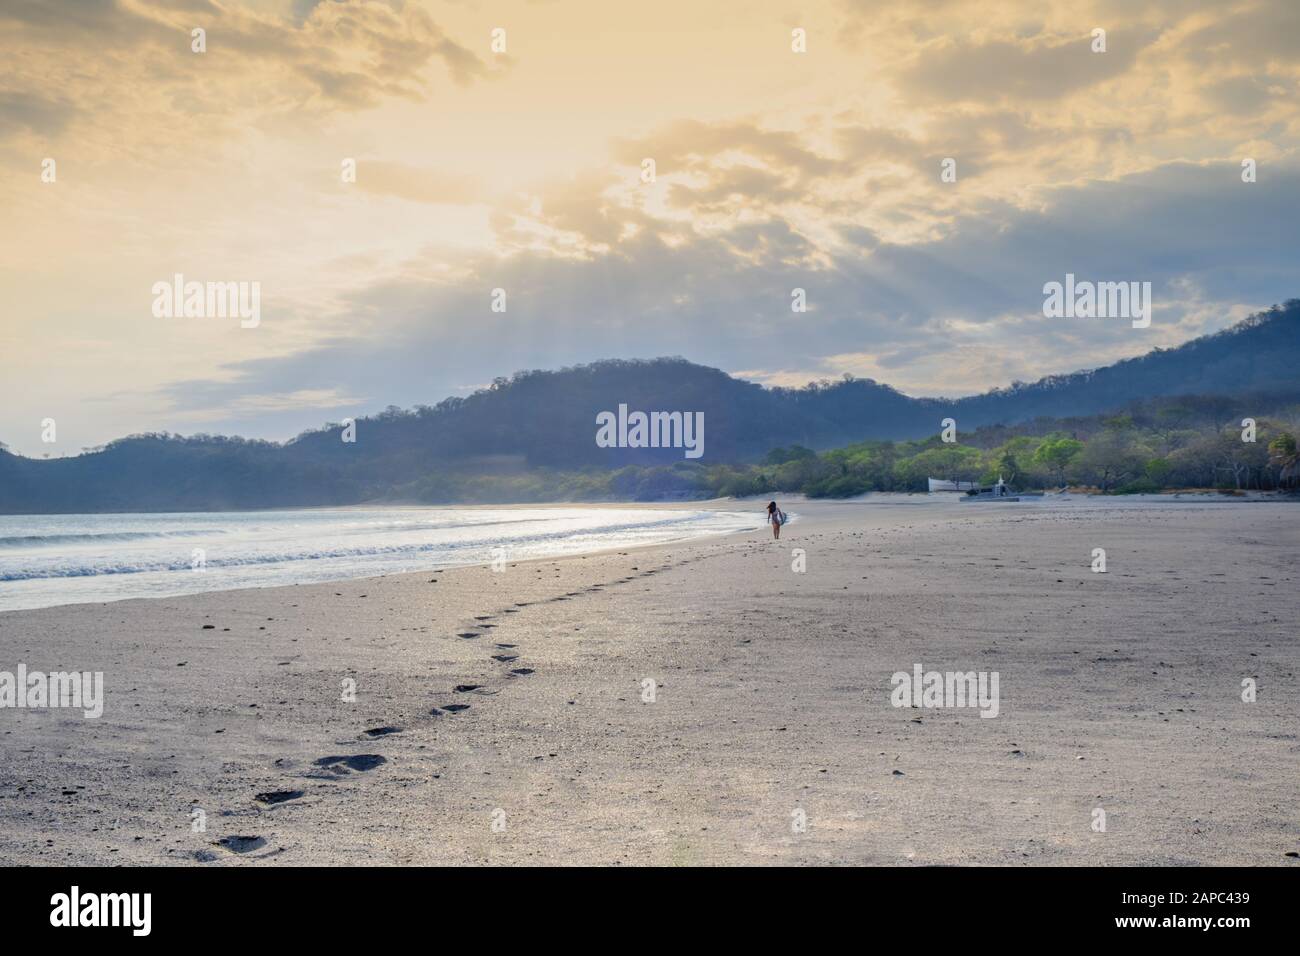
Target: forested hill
<point>1258,355</point>
<point>547,420</point>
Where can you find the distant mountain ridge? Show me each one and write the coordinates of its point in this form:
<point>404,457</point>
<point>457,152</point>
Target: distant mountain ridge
<point>547,420</point>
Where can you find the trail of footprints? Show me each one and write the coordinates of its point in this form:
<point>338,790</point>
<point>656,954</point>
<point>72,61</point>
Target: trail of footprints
<point>339,765</point>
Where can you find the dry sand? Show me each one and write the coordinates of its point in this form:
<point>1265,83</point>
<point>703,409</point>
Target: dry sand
<point>772,697</point>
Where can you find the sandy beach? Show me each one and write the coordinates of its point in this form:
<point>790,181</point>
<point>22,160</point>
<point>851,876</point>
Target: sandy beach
<point>501,717</point>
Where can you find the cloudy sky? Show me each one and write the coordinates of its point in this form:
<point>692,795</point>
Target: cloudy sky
<point>478,169</point>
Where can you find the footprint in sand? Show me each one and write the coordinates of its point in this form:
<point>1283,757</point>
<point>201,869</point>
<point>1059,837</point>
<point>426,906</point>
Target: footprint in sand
<point>278,796</point>
<point>341,764</point>
<point>507,645</point>
<point>241,844</point>
<point>505,658</point>
<point>522,671</point>
<point>469,634</point>
<point>382,731</point>
<point>466,688</point>
<point>451,708</point>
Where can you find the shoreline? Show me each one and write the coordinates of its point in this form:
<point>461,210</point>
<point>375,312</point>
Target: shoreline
<point>313,569</point>
<point>687,503</point>
<point>918,499</point>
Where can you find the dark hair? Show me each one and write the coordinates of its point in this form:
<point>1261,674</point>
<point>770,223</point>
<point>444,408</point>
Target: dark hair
<point>771,506</point>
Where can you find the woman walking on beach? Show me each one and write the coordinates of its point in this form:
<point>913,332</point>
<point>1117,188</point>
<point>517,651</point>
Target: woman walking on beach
<point>777,518</point>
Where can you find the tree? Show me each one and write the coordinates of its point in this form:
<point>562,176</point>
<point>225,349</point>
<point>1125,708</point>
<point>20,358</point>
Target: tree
<point>1111,457</point>
<point>1158,469</point>
<point>1283,453</point>
<point>1056,453</point>
<point>1238,457</point>
<point>1009,468</point>
<point>950,462</point>
<point>1169,421</point>
<point>779,456</point>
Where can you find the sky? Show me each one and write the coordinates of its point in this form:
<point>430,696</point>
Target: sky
<point>502,146</point>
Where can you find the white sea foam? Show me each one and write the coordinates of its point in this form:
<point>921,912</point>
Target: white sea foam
<point>66,559</point>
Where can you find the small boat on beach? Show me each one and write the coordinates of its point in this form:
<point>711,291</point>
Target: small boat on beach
<point>999,492</point>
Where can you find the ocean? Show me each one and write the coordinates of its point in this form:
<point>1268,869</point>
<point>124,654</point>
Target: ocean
<point>47,560</point>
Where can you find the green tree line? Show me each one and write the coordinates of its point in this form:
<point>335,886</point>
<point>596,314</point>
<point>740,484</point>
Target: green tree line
<point>1149,450</point>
